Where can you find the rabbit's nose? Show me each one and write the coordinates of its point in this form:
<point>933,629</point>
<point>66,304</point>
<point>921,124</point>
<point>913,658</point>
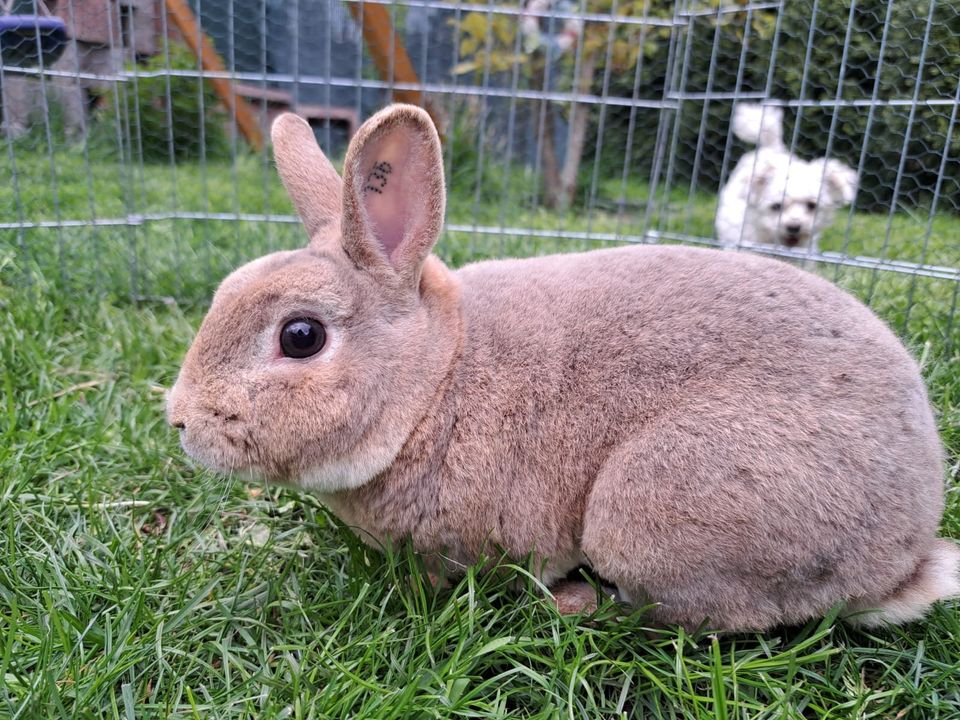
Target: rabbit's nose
<point>224,404</point>
<point>175,410</point>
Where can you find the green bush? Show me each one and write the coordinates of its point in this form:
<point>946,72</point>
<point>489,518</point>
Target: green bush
<point>469,172</point>
<point>890,141</point>
<point>695,147</point>
<point>895,140</point>
<point>193,126</point>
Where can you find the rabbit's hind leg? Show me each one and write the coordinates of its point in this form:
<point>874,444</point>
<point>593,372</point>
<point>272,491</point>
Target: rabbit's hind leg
<point>657,532</point>
<point>573,597</point>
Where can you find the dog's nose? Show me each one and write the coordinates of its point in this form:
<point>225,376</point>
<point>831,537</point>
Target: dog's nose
<point>793,229</point>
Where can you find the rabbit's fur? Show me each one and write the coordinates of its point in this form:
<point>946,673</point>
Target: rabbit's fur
<point>720,434</point>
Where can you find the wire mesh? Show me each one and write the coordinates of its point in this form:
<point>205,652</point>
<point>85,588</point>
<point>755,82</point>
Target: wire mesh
<point>134,168</point>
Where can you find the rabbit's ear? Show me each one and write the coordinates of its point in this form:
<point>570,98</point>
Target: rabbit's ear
<point>310,179</point>
<point>393,199</point>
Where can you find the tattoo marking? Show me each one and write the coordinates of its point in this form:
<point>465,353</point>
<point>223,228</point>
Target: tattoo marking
<point>377,179</point>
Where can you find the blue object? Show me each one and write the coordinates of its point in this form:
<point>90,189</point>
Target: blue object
<point>25,40</point>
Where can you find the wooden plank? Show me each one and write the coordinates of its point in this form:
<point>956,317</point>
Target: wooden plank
<point>389,54</point>
<point>182,16</point>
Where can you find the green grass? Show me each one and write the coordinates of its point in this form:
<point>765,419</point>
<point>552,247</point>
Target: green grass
<point>133,585</point>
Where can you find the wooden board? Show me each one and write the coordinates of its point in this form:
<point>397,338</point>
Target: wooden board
<point>389,54</point>
<point>182,16</point>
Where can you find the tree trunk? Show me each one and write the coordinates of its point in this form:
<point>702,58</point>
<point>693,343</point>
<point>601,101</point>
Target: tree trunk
<point>549,168</point>
<point>576,132</point>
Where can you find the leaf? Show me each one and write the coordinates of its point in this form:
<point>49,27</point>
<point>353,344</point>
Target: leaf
<point>495,644</point>
<point>501,62</point>
<point>506,32</point>
<point>475,25</point>
<point>462,68</point>
<point>468,46</point>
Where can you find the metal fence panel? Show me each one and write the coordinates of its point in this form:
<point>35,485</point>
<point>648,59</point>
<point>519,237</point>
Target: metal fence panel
<point>568,124</point>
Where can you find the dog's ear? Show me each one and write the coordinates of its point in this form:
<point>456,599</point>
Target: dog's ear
<point>761,176</point>
<point>839,181</point>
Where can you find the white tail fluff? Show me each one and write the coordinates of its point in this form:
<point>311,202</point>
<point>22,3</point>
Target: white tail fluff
<point>937,578</point>
<point>760,125</point>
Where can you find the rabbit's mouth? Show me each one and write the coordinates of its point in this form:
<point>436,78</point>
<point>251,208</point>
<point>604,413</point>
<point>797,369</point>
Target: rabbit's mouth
<point>222,452</point>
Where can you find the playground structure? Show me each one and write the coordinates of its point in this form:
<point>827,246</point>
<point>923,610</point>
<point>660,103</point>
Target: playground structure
<point>94,40</point>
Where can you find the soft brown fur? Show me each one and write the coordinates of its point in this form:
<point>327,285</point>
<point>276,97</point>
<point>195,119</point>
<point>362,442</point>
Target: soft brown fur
<point>721,434</point>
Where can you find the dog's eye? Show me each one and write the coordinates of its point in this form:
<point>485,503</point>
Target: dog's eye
<point>776,207</point>
<point>811,205</point>
<point>302,338</point>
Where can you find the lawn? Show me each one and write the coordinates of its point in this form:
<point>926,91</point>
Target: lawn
<point>133,584</point>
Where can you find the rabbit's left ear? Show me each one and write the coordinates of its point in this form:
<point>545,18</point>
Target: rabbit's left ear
<point>840,181</point>
<point>310,179</point>
<point>393,195</point>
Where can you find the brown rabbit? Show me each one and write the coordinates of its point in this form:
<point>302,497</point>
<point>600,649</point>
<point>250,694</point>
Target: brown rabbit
<point>720,434</point>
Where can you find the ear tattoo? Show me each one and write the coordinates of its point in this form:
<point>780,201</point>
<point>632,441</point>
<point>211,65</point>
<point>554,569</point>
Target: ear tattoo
<point>378,175</point>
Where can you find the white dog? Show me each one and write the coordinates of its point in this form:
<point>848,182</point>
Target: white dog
<point>774,197</point>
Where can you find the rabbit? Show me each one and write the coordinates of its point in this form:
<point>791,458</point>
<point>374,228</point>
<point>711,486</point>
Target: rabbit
<point>720,436</point>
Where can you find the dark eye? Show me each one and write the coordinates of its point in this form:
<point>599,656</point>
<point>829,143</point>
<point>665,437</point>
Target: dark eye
<point>776,207</point>
<point>811,205</point>
<point>302,338</point>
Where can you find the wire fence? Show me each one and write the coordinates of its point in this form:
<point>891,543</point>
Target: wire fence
<point>136,165</point>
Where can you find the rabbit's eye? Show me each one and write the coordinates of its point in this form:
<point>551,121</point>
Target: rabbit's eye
<point>302,338</point>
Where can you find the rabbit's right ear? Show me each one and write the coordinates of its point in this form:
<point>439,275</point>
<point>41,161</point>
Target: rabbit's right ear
<point>393,195</point>
<point>311,181</point>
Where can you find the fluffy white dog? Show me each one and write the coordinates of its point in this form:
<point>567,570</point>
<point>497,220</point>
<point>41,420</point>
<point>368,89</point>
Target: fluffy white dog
<point>774,197</point>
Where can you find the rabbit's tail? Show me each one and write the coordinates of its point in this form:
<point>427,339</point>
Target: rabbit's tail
<point>760,125</point>
<point>937,577</point>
